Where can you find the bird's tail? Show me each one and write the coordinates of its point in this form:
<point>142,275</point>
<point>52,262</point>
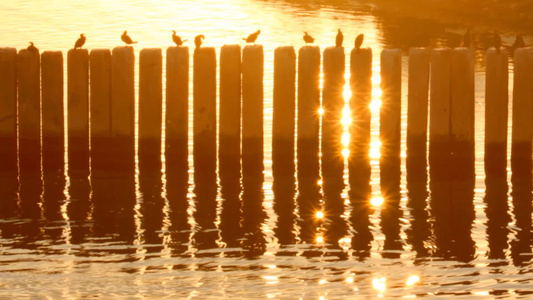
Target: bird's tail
<point>183,41</point>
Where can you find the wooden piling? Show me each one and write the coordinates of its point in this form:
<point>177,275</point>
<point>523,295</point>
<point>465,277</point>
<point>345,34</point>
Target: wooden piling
<point>361,87</point>
<point>230,108</point>
<point>440,103</point>
<point>390,112</point>
<point>204,116</point>
<point>150,105</point>
<point>284,112</point>
<point>29,109</point>
<point>496,111</point>
<point>332,127</point>
<point>252,108</point>
<point>522,113</point>
<point>417,102</point>
<point>78,108</point>
<point>122,108</point>
<point>100,108</point>
<point>8,109</point>
<point>308,106</point>
<point>53,129</point>
<point>177,109</point>
<point>462,104</point>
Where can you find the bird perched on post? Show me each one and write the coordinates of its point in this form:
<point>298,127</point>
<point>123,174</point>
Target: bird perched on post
<point>518,42</point>
<point>198,40</point>
<point>32,48</point>
<point>339,38</point>
<point>497,41</point>
<point>467,38</point>
<point>177,39</point>
<point>126,38</point>
<point>307,38</point>
<point>252,37</point>
<point>80,41</point>
<point>359,41</point>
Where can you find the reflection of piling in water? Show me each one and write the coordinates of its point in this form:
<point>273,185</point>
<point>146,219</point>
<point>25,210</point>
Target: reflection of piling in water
<point>283,123</point>
<point>522,113</point>
<point>229,152</point>
<point>361,86</point>
<point>204,116</point>
<point>78,108</point>
<point>52,110</point>
<point>496,110</point>
<point>177,109</point>
<point>252,108</point>
<point>100,98</point>
<point>496,208</point>
<point>205,234</point>
<point>308,126</point>
<point>122,108</point>
<point>522,208</point>
<point>253,214</point>
<point>390,122</point>
<point>418,235</point>
<point>417,103</point>
<point>8,109</point>
<point>29,109</point>
<point>177,188</point>
<point>230,214</point>
<point>332,127</point>
<point>150,108</point>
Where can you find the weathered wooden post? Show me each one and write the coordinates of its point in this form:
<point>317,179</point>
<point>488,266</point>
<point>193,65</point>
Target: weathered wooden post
<point>122,109</point>
<point>204,116</point>
<point>284,113</point>
<point>361,87</point>
<point>100,109</point>
<point>177,110</point>
<point>308,128</point>
<point>332,127</point>
<point>78,109</point>
<point>29,109</point>
<point>8,109</point>
<point>496,111</point>
<point>150,109</point>
<point>53,128</point>
<point>522,113</point>
<point>390,123</point>
<point>417,103</point>
<point>230,110</point>
<point>252,110</point>
<point>462,113</point>
<point>440,104</point>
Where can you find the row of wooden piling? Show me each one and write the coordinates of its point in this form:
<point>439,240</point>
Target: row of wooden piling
<point>100,88</point>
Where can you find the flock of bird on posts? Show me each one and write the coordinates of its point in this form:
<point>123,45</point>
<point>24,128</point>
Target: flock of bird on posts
<point>308,39</point>
<point>198,40</point>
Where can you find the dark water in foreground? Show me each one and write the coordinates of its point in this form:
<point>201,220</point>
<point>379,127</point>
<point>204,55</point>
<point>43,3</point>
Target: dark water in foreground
<point>165,233</point>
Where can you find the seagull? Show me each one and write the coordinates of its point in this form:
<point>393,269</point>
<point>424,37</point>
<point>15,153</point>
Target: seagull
<point>497,41</point>
<point>32,48</point>
<point>359,41</point>
<point>177,39</point>
<point>126,38</point>
<point>80,41</point>
<point>252,37</point>
<point>307,38</point>
<point>339,39</point>
<point>198,40</point>
<point>518,42</point>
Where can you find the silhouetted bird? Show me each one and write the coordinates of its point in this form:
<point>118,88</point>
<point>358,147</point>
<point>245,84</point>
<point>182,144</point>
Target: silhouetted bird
<point>32,48</point>
<point>467,38</point>
<point>497,42</point>
<point>198,40</point>
<point>252,37</point>
<point>177,39</point>
<point>359,41</point>
<point>80,41</point>
<point>339,39</point>
<point>307,38</point>
<point>518,42</point>
<point>126,38</point>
